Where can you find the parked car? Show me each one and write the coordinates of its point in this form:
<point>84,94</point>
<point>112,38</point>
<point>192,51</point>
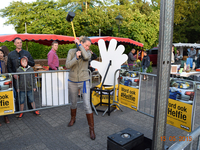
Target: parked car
<point>187,90</point>
<point>5,83</point>
<point>153,55</point>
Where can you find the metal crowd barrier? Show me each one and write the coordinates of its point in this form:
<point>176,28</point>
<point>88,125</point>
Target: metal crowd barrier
<point>51,89</point>
<point>146,106</point>
<point>146,102</point>
<point>194,135</point>
<point>147,95</point>
<point>46,81</point>
<point>182,144</point>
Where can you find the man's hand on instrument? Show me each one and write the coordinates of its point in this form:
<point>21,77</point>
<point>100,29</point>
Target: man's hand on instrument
<point>77,41</point>
<point>78,53</point>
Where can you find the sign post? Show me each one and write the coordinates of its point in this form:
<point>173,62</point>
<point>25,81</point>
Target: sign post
<point>163,73</point>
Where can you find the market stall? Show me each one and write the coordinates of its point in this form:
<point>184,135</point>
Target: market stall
<point>182,45</point>
<point>185,74</point>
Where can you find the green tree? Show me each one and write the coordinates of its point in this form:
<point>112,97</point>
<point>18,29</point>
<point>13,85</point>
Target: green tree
<point>99,18</point>
<point>48,17</point>
<point>141,5</point>
<point>155,4</point>
<point>42,16</point>
<point>186,21</point>
<point>124,2</point>
<point>83,5</point>
<point>142,28</point>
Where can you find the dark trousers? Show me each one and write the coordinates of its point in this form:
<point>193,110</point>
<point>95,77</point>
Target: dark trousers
<point>53,69</point>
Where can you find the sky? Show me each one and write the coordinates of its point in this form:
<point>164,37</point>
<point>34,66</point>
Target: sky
<point>4,29</point>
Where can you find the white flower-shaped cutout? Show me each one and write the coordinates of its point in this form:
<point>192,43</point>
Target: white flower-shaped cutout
<point>113,54</point>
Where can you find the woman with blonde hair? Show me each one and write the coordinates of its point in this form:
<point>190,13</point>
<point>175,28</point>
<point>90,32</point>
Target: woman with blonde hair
<point>77,62</point>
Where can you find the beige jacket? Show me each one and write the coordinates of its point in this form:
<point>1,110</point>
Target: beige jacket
<point>78,68</point>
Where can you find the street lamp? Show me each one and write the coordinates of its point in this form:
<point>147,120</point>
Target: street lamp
<point>119,20</point>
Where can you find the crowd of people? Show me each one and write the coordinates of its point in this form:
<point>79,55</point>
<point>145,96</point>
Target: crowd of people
<point>132,57</point>
<point>18,60</point>
<point>191,53</point>
<point>78,61</point>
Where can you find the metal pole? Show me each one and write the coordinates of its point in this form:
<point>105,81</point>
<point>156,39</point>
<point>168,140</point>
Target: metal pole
<point>25,28</point>
<point>193,110</point>
<point>27,45</point>
<point>163,73</point>
<point>99,32</point>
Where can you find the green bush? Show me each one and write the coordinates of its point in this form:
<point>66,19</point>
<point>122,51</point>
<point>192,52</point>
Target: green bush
<point>39,51</point>
<point>11,46</point>
<point>150,69</point>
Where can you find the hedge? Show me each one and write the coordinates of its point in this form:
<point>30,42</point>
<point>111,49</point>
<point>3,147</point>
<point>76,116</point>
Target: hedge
<point>39,51</point>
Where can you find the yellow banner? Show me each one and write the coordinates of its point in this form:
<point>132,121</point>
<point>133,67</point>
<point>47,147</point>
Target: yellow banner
<point>128,97</point>
<point>105,96</point>
<point>96,98</point>
<point>6,103</point>
<point>179,114</point>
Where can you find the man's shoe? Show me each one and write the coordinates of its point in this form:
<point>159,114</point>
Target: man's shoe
<point>37,113</point>
<point>20,116</point>
<point>6,120</point>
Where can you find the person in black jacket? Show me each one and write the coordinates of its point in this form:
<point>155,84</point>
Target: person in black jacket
<point>145,63</point>
<point>131,58</point>
<point>14,57</point>
<point>93,57</point>
<point>13,64</point>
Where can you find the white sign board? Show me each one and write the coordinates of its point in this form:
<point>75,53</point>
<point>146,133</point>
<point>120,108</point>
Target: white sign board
<point>115,54</point>
<point>55,88</point>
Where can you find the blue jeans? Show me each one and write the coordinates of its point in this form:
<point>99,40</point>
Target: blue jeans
<point>144,69</point>
<point>29,95</point>
<point>14,92</point>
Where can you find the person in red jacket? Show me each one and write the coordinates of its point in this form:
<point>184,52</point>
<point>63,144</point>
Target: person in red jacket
<point>53,60</point>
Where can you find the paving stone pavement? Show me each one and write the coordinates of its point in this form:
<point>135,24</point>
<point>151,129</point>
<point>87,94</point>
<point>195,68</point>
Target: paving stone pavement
<point>50,132</point>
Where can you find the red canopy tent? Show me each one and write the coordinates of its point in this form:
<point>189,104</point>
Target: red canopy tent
<point>46,39</point>
<point>123,41</point>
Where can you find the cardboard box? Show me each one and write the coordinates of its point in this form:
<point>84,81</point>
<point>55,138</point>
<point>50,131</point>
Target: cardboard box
<point>174,68</point>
